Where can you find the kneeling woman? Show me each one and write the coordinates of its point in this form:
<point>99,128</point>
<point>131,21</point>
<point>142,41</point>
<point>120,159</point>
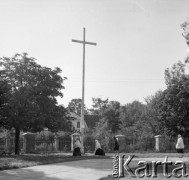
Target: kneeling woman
<point>77,148</point>
<point>98,149</point>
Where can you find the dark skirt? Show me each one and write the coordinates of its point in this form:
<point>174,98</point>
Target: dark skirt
<point>180,151</point>
<point>116,148</point>
<point>100,152</point>
<point>77,152</point>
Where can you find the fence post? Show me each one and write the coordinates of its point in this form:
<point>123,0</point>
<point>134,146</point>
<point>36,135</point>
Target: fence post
<point>24,142</point>
<point>7,144</point>
<point>122,142</point>
<point>157,143</point>
<point>56,143</point>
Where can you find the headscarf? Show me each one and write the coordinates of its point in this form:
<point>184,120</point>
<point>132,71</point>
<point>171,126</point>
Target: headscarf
<point>97,144</point>
<point>77,144</point>
<point>180,143</point>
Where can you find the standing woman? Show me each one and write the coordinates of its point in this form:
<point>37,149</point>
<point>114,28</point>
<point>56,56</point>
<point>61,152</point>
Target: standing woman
<point>180,145</point>
<point>116,145</point>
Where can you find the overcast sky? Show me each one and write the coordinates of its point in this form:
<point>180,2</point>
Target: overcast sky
<point>136,41</point>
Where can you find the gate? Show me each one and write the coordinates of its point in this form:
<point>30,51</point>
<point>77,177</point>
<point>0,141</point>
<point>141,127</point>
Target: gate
<point>65,143</point>
<point>89,144</point>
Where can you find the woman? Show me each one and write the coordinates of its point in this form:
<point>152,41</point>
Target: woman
<point>116,145</point>
<point>98,149</point>
<point>77,148</point>
<point>180,146</point>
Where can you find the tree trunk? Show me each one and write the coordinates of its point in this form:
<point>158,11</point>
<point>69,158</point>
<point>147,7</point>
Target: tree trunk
<point>17,141</point>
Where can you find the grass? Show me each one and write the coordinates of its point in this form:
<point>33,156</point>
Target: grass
<point>27,160</point>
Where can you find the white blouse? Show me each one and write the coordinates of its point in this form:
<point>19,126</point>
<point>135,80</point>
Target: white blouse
<point>180,144</point>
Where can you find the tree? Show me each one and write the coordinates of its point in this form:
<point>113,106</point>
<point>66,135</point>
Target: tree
<point>32,103</point>
<point>174,103</point>
<point>109,114</point>
<point>131,113</point>
<point>75,106</point>
<point>112,116</point>
<point>99,106</point>
<point>4,93</point>
<point>152,116</point>
<point>185,27</point>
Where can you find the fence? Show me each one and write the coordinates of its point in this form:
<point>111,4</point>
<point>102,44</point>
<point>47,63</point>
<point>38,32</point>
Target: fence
<point>169,144</point>
<point>2,144</point>
<point>7,144</point>
<point>64,143</point>
<point>140,145</point>
<point>41,146</point>
<point>145,145</point>
<point>31,144</point>
<point>89,144</point>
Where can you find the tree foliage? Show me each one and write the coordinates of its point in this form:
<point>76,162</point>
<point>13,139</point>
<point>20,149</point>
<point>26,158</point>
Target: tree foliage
<point>4,93</point>
<point>32,103</point>
<point>99,106</point>
<point>131,113</point>
<point>132,120</point>
<point>111,116</point>
<point>185,27</point>
<point>137,122</point>
<point>174,103</point>
<point>152,115</point>
<point>108,112</point>
<point>75,106</point>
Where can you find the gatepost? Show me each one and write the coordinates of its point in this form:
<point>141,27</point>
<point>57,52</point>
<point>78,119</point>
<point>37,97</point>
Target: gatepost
<point>56,143</point>
<point>122,142</point>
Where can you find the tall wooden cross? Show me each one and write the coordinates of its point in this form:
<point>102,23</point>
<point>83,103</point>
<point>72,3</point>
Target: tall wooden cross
<point>82,126</point>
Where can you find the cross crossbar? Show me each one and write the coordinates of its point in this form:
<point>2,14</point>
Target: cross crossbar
<point>84,42</point>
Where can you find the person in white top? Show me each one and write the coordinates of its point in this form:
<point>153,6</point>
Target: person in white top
<point>77,148</point>
<point>97,145</point>
<point>77,144</point>
<point>98,149</point>
<point>180,145</point>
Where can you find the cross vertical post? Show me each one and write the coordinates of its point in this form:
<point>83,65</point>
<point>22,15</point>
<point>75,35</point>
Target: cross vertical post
<point>82,126</point>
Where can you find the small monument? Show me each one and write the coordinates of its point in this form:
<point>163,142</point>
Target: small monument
<point>158,142</point>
